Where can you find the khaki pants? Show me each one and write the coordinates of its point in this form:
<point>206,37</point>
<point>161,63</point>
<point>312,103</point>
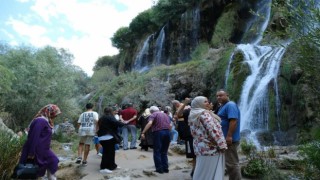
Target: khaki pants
<point>232,162</point>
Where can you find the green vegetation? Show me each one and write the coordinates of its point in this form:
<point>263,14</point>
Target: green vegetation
<point>311,163</point>
<point>10,153</point>
<point>224,27</point>
<point>33,78</point>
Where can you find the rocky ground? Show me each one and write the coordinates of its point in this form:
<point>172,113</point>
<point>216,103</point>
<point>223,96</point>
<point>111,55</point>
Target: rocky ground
<point>135,164</point>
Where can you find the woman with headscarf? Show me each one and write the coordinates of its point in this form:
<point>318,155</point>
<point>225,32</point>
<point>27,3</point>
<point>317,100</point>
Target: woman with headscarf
<point>37,146</point>
<point>143,121</point>
<point>208,140</point>
<point>108,126</point>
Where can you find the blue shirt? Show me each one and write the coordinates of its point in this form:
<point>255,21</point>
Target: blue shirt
<point>230,111</point>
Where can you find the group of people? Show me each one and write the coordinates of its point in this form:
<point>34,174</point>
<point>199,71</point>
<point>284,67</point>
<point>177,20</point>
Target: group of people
<point>211,139</point>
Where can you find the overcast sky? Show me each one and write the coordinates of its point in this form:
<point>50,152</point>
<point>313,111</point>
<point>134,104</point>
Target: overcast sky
<point>84,27</point>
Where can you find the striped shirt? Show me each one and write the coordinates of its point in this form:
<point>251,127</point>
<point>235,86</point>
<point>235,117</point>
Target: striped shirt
<point>160,120</point>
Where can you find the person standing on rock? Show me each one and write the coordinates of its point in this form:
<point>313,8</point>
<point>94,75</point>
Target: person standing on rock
<point>37,146</point>
<point>159,123</point>
<point>87,129</point>
<point>230,116</point>
<point>129,117</point>
<point>208,140</point>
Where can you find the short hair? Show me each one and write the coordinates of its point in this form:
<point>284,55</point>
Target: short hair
<point>154,109</point>
<point>89,106</point>
<point>175,102</point>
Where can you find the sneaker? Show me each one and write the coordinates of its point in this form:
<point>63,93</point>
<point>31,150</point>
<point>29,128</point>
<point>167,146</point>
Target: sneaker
<point>118,167</point>
<point>99,154</point>
<point>105,171</point>
<point>79,159</point>
<point>84,163</point>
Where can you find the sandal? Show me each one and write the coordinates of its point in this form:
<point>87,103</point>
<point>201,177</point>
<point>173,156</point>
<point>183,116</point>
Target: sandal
<point>79,159</point>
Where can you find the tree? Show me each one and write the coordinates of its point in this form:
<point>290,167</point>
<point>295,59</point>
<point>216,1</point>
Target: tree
<point>122,38</point>
<point>41,76</point>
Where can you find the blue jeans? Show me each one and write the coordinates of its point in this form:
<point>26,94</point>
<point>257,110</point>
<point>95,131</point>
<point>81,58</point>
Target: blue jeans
<point>161,142</point>
<point>174,135</point>
<point>133,131</point>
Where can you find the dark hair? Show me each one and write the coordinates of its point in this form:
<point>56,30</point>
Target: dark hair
<point>89,106</point>
<point>108,110</point>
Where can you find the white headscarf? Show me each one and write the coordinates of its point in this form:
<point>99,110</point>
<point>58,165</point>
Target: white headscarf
<point>146,113</point>
<point>197,108</point>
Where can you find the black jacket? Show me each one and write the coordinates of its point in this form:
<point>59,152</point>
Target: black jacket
<point>108,124</point>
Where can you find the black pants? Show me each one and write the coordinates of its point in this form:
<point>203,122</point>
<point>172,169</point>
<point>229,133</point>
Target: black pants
<point>108,155</point>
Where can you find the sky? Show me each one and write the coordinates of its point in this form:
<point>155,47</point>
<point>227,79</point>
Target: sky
<point>84,27</point>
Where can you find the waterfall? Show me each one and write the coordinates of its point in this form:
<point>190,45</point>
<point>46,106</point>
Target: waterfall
<point>258,22</point>
<point>264,63</point>
<point>189,33</point>
<point>159,47</point>
<point>141,62</point>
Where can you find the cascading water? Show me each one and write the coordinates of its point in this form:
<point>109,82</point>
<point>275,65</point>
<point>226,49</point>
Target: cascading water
<point>141,62</point>
<point>264,63</point>
<point>159,47</point>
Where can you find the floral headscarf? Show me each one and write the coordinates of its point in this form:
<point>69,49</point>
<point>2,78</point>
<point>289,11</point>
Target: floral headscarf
<point>49,111</point>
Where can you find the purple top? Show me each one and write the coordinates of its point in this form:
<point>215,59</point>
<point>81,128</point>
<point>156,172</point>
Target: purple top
<point>38,145</point>
<point>160,121</point>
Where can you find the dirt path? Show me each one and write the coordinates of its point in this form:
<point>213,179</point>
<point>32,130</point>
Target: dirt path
<point>137,164</point>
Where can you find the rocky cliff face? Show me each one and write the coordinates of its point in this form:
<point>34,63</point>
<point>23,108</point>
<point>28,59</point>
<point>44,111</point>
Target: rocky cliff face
<point>220,25</point>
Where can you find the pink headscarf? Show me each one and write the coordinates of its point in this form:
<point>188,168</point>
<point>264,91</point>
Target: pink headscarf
<point>49,111</point>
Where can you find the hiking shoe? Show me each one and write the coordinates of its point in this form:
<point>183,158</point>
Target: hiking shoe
<point>105,171</point>
<point>79,159</point>
<point>84,163</point>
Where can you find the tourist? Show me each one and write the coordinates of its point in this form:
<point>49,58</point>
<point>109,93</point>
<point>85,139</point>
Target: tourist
<point>107,133</point>
<point>173,132</point>
<point>179,121</point>
<point>129,116</point>
<point>147,142</point>
<point>208,140</point>
<point>159,123</point>
<point>184,111</point>
<point>37,146</point>
<point>230,122</point>
<point>87,129</point>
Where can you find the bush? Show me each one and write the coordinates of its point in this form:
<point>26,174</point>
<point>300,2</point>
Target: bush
<point>9,153</point>
<point>311,154</point>
<point>255,168</point>
<point>247,148</point>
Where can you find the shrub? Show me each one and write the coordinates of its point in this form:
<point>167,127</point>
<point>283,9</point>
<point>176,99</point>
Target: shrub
<point>311,154</point>
<point>255,168</point>
<point>10,153</point>
<point>247,148</point>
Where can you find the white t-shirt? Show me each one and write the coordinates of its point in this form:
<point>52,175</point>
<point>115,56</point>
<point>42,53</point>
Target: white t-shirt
<point>87,121</point>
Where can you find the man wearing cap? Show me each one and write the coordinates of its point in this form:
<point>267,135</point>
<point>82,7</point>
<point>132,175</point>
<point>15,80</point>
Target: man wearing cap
<point>159,123</point>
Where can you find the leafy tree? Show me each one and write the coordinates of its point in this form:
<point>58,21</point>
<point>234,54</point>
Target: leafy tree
<point>103,61</point>
<point>121,38</point>
<point>41,76</point>
<point>166,10</point>
<point>142,24</point>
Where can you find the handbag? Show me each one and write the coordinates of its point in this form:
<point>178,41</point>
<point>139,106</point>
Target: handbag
<point>25,171</point>
<point>117,138</point>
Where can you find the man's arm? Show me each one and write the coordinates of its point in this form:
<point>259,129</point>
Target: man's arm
<point>232,128</point>
<point>179,112</point>
<point>146,128</point>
